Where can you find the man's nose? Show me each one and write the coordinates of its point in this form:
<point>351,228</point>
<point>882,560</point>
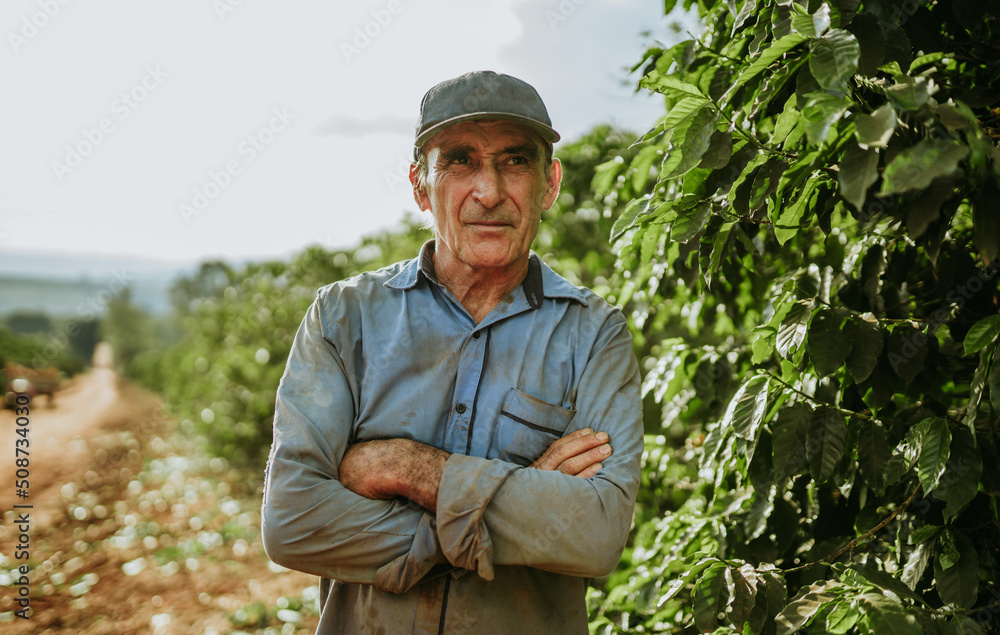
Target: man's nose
<point>490,189</point>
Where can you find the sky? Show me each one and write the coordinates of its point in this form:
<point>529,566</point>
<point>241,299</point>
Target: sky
<point>245,129</point>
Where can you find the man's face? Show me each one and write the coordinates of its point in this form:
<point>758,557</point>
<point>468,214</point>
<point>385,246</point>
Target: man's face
<point>486,187</point>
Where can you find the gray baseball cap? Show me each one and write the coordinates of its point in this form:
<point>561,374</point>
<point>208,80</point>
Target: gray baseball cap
<point>482,95</point>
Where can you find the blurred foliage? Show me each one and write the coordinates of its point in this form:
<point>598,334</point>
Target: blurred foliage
<point>819,210</point>
<point>66,346</point>
<point>25,322</point>
<point>236,327</point>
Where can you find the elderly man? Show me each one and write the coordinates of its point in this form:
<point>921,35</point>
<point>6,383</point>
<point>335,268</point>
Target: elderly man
<point>444,428</point>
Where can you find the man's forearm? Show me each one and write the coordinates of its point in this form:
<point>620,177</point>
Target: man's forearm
<point>386,468</point>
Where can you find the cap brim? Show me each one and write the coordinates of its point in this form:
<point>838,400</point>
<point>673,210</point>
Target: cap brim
<point>544,131</point>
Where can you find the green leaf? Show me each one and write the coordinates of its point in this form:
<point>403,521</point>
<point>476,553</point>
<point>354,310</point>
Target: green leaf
<point>910,93</point>
<point>985,220</point>
<point>959,483</point>
<point>635,208</point>
<point>763,343</point>
<point>787,224</point>
<point>905,455</point>
<point>982,333</point>
<point>828,347</point>
<point>821,111</point>
<point>789,443</point>
<point>827,439</point>
<point>976,391</point>
<point>934,452</point>
<point>923,534</point>
<point>742,590</point>
<point>641,167</point>
<point>994,384</point>
<point>873,452</point>
<point>916,564</point>
<point>670,85</point>
<point>709,597</point>
<point>718,248</point>
<point>875,130</point>
<point>690,222</point>
<point>792,331</point>
<point>888,617</point>
<point>926,207</point>
<point>605,175</point>
<point>885,581</point>
<point>959,583</point>
<point>841,619</point>
<point>866,337</point>
<point>813,25</point>
<point>747,408</point>
<point>720,150</point>
<point>689,142</point>
<point>682,111</point>
<point>765,183</point>
<point>787,120</point>
<point>858,171</point>
<point>675,585</point>
<point>833,59</point>
<point>767,57</point>
<point>809,601</point>
<point>776,592</point>
<point>907,351</point>
<point>965,625</point>
<point>915,167</point>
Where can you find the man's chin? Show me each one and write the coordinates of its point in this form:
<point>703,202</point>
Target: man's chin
<point>493,256</point>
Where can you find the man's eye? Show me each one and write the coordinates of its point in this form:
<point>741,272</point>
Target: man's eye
<point>518,160</point>
<point>461,160</point>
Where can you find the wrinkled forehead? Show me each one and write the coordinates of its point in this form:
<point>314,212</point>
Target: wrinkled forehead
<point>486,136</point>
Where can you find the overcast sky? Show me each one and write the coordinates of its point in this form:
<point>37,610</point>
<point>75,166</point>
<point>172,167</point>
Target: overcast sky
<point>239,129</point>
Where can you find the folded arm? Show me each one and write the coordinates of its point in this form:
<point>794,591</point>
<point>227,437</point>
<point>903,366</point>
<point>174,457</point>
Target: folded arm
<point>570,514</point>
<point>311,522</point>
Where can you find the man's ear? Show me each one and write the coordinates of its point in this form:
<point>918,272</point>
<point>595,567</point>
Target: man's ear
<point>552,181</point>
<point>419,192</point>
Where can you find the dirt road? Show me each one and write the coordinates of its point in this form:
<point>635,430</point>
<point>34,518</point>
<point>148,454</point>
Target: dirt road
<point>131,532</point>
<point>58,433</point>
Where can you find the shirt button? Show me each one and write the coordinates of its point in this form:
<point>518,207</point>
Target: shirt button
<point>460,408</point>
<point>475,335</point>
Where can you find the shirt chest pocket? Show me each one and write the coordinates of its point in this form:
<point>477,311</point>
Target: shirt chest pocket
<point>526,427</point>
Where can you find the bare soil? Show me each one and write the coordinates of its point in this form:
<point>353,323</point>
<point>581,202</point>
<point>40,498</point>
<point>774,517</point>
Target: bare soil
<point>131,530</point>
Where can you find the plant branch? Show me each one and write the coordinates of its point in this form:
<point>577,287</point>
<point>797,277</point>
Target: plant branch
<point>810,397</point>
<point>862,538</point>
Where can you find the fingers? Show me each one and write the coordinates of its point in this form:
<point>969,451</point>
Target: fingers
<point>577,454</point>
<point>585,461</point>
<point>566,447</point>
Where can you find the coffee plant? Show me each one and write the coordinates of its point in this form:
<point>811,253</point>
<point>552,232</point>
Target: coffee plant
<point>809,247</point>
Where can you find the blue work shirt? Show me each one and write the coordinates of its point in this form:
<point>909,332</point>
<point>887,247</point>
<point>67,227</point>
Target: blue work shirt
<point>392,354</point>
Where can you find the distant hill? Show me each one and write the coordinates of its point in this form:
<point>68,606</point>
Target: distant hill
<point>60,284</point>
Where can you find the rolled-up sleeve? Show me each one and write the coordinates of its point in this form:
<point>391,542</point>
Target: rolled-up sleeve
<point>312,523</point>
<point>495,513</point>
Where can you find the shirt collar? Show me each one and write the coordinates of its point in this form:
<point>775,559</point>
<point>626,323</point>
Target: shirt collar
<point>541,280</point>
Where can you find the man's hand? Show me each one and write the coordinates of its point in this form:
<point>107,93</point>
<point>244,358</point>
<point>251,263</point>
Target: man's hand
<point>387,468</point>
<point>578,454</point>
